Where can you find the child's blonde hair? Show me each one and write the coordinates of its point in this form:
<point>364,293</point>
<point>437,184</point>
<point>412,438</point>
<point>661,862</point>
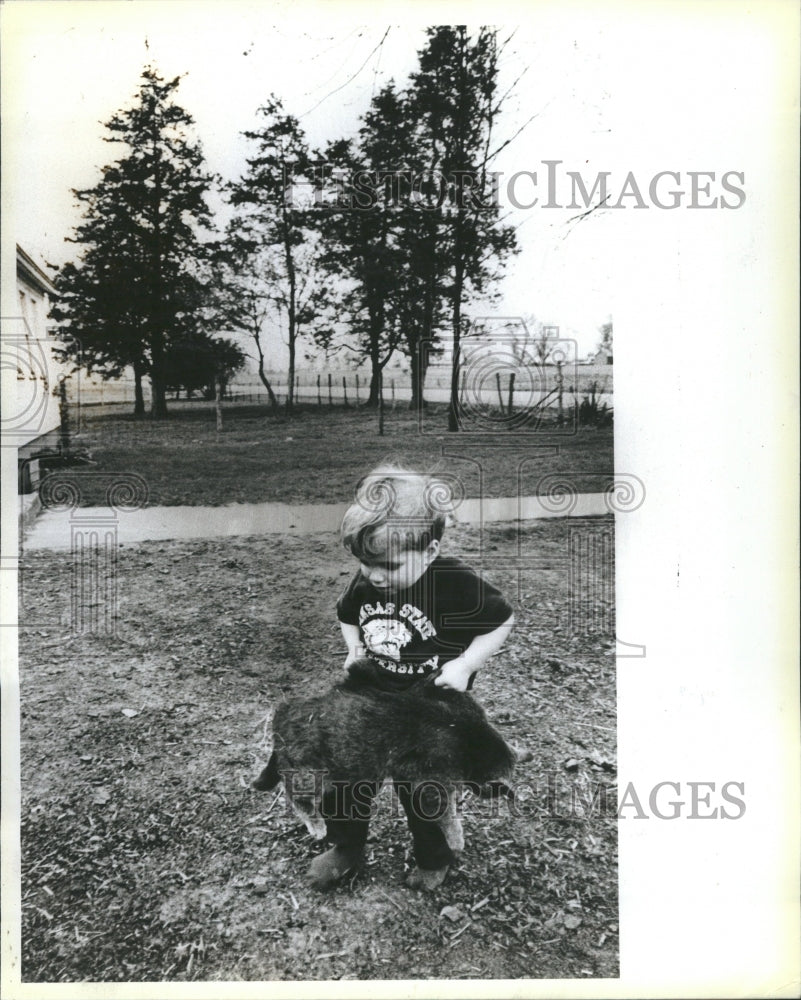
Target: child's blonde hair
<point>414,506</point>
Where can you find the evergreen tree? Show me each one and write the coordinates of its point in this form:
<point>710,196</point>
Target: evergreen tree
<point>454,103</point>
<point>135,288</point>
<point>409,223</point>
<point>358,240</point>
<point>281,252</point>
<point>380,232</point>
<point>413,265</point>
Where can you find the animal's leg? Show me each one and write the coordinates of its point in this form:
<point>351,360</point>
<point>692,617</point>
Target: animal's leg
<point>346,809</point>
<point>304,806</point>
<point>337,862</point>
<point>269,777</point>
<point>423,878</point>
<point>306,810</point>
<point>425,804</point>
<point>451,824</point>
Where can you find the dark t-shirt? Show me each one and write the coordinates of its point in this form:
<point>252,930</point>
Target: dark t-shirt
<point>411,632</point>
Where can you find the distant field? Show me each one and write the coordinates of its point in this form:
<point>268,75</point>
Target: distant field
<point>318,454</point>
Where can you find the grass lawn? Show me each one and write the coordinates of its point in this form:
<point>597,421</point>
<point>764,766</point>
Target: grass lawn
<point>319,454</point>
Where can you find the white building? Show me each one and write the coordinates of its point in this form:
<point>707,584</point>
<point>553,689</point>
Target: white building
<point>30,404</point>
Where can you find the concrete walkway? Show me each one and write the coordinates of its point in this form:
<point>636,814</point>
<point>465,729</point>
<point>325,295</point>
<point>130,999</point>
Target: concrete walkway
<point>53,529</point>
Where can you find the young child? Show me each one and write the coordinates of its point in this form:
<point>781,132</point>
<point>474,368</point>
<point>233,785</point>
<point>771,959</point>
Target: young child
<point>415,613</point>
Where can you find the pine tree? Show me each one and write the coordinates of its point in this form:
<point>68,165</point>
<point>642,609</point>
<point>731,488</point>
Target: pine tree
<point>455,104</point>
<point>135,288</point>
<point>382,237</point>
<point>412,228</point>
<point>282,251</point>
<point>409,226</point>
<point>356,223</point>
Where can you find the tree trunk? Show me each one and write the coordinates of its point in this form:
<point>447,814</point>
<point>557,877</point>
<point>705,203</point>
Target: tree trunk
<point>264,380</point>
<point>292,316</point>
<point>158,405</point>
<point>376,369</point>
<point>290,382</point>
<point>418,361</point>
<point>417,402</point>
<point>372,397</point>
<point>139,397</point>
<point>266,383</point>
<point>380,402</point>
<point>454,414</point>
<point>218,404</point>
<point>420,346</point>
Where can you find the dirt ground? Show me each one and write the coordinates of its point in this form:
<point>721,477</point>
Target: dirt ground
<point>146,855</point>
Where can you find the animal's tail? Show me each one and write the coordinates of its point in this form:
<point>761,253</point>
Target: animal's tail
<point>269,777</point>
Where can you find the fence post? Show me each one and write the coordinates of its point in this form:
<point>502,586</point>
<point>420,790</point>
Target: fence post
<point>297,388</point>
<point>392,387</point>
<point>559,381</point>
<point>500,393</point>
<point>319,397</point>
<point>330,399</point>
<point>511,393</point>
<point>345,389</point>
<point>357,388</point>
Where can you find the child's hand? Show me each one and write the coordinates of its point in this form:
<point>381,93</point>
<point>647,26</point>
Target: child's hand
<point>353,654</point>
<point>455,675</point>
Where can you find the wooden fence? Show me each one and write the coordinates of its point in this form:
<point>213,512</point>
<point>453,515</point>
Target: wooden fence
<point>506,390</point>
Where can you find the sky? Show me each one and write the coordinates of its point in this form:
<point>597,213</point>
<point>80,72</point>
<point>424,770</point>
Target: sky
<point>69,66</point>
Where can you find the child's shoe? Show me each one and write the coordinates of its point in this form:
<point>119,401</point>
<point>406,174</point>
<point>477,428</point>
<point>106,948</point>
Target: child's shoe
<point>426,878</point>
<point>327,869</point>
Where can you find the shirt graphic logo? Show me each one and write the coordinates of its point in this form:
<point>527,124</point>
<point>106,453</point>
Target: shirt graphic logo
<point>386,637</point>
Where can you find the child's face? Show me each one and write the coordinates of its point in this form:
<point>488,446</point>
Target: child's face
<point>394,569</point>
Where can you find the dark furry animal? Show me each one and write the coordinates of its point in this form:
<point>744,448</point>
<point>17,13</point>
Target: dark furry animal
<point>358,731</point>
